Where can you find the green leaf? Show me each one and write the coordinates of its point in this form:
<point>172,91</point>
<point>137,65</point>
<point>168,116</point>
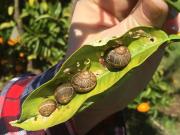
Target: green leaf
<point>44,16</point>
<point>6,25</point>
<point>174,3</point>
<point>142,43</point>
<point>55,9</point>
<point>58,9</point>
<point>175,37</point>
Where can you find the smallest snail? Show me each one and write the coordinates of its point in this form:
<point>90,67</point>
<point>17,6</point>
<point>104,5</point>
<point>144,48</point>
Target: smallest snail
<point>84,81</point>
<point>118,58</point>
<point>47,107</point>
<point>64,93</point>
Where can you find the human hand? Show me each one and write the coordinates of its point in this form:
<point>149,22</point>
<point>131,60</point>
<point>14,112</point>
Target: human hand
<point>96,19</point>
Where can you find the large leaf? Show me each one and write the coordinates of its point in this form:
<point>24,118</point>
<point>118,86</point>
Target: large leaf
<point>174,3</point>
<point>142,43</point>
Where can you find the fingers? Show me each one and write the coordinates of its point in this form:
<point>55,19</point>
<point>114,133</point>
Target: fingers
<point>118,8</point>
<point>146,13</point>
<point>150,12</point>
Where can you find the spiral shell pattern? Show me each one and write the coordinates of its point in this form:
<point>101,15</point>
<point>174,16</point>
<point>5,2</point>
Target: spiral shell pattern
<point>47,107</point>
<point>84,81</point>
<point>64,93</point>
<point>118,57</point>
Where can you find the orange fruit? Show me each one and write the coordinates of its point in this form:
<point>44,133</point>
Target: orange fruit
<point>12,42</point>
<point>1,40</point>
<point>143,107</point>
<point>21,55</point>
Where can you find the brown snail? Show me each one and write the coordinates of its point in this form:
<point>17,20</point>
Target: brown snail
<point>84,81</point>
<point>64,93</point>
<point>118,58</point>
<point>47,107</point>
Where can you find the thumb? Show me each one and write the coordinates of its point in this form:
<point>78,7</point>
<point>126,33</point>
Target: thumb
<point>150,12</point>
<point>145,13</point>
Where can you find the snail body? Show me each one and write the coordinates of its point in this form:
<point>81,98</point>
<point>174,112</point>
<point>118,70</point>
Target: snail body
<point>84,81</point>
<point>118,58</point>
<point>64,93</point>
<point>47,107</point>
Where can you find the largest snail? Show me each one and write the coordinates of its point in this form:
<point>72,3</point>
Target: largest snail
<point>118,57</point>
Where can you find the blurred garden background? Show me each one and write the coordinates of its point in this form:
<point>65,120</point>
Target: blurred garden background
<point>33,37</point>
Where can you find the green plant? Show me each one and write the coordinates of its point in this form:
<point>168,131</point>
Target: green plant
<point>43,41</point>
<point>46,28</point>
<point>10,62</point>
<point>140,48</point>
<point>174,3</point>
<point>160,89</point>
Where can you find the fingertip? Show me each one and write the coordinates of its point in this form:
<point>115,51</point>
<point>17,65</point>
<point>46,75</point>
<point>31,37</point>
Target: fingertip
<point>156,11</point>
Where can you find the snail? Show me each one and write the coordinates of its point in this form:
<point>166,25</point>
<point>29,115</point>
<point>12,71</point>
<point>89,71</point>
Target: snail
<point>64,93</point>
<point>47,107</point>
<point>118,57</point>
<point>84,81</point>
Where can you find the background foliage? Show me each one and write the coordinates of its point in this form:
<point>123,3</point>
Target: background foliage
<point>44,38</point>
<point>44,41</point>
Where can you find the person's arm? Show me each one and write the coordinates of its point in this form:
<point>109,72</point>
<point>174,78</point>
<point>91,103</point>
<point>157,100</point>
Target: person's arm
<point>96,19</point>
<point>88,24</point>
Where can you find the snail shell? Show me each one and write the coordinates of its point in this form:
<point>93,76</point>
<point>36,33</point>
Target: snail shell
<point>64,93</point>
<point>47,107</point>
<point>84,81</point>
<point>118,57</point>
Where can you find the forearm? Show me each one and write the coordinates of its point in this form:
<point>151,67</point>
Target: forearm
<point>120,96</point>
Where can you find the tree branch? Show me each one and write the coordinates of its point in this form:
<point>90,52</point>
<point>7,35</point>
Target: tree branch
<point>17,17</point>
